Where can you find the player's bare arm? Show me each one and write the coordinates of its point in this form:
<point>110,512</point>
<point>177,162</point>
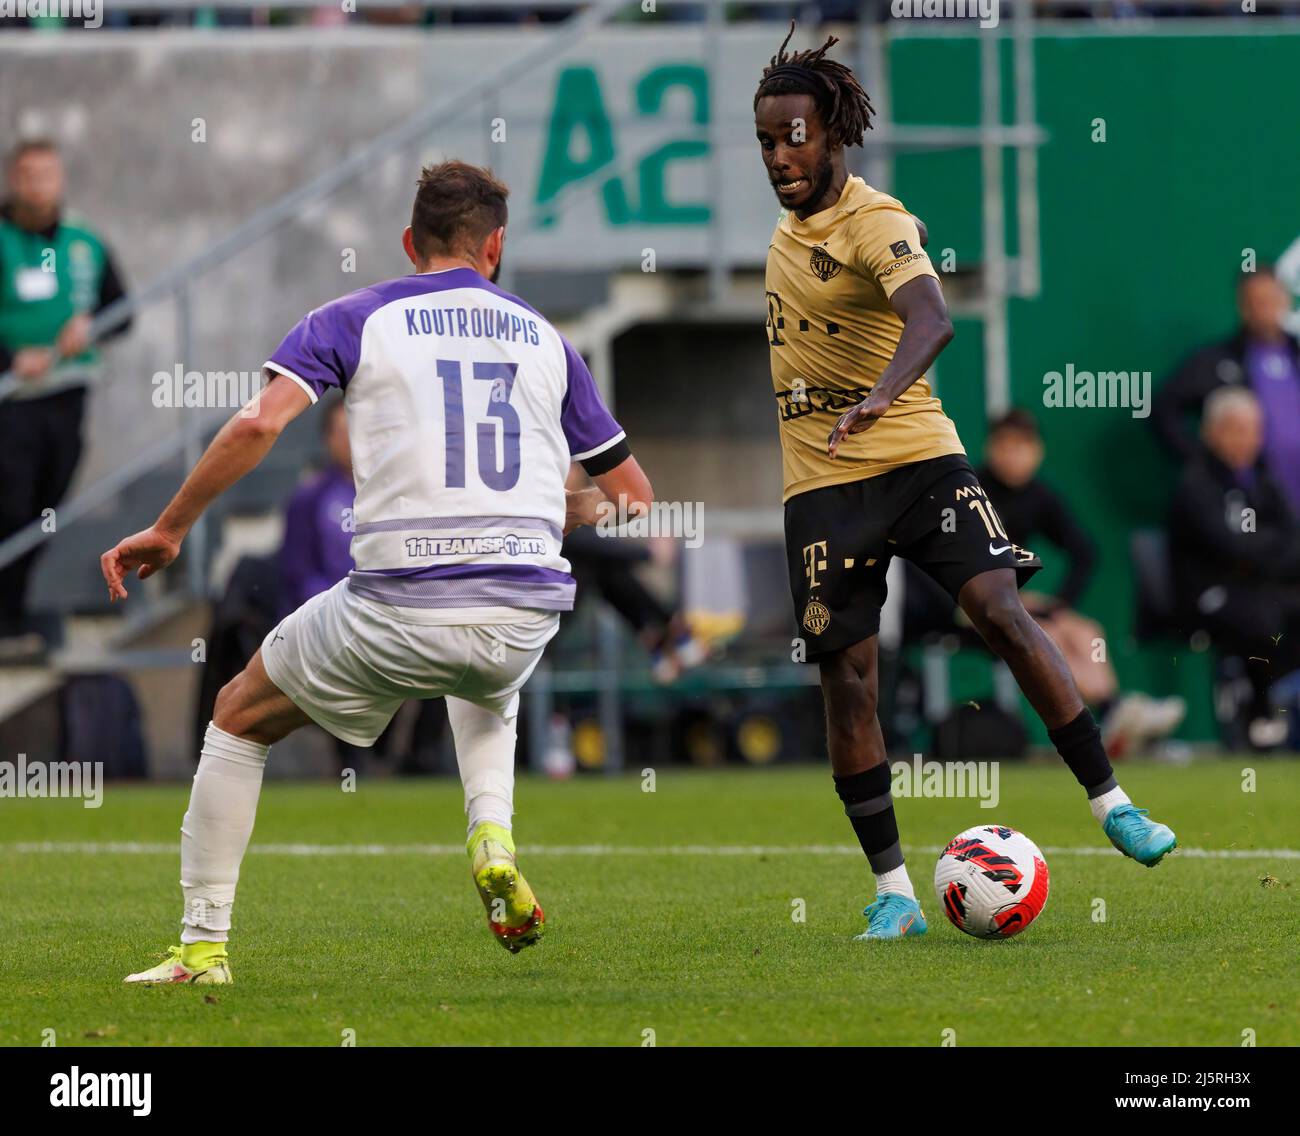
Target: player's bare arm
<point>238,447</point>
<point>927,330</point>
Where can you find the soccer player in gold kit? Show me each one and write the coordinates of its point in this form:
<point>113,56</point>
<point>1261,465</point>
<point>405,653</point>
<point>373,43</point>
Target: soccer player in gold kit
<point>874,468</point>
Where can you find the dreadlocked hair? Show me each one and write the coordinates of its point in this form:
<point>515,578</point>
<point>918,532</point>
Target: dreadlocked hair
<point>845,108</point>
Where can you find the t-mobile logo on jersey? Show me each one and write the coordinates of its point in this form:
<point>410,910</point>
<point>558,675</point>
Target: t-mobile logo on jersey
<point>985,10</point>
<point>814,561</point>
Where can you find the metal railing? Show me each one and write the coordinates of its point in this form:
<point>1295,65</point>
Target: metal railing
<point>177,283</point>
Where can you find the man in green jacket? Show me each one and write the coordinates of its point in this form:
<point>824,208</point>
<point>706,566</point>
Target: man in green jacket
<point>56,274</point>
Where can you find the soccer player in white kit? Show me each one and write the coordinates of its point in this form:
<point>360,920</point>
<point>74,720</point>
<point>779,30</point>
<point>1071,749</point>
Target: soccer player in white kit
<point>465,409</point>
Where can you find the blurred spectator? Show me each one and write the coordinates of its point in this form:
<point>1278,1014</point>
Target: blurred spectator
<point>1013,455</point>
<point>56,274</point>
<point>1260,356</point>
<point>1235,550</point>
<point>316,551</point>
<point>1030,510</point>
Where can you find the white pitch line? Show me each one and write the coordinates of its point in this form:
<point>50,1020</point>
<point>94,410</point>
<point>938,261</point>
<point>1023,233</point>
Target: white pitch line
<point>136,848</point>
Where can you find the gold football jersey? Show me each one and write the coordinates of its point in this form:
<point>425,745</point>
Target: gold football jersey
<point>832,333</point>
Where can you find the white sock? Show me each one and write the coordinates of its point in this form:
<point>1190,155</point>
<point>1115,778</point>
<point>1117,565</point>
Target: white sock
<point>895,882</point>
<point>216,830</point>
<point>1102,805</point>
<point>485,753</point>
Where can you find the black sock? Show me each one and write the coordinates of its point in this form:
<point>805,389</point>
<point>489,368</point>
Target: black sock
<point>869,806</point>
<point>1079,743</point>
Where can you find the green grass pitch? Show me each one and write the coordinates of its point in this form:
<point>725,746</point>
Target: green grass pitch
<point>650,930</point>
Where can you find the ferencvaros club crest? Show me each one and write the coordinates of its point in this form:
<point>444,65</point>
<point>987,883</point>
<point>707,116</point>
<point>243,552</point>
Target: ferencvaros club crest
<point>815,617</point>
<point>823,265</point>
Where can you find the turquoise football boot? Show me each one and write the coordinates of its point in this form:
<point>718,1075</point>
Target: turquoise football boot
<point>893,917</point>
<point>1143,840</point>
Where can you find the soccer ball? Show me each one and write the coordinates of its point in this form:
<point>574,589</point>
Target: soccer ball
<point>991,881</point>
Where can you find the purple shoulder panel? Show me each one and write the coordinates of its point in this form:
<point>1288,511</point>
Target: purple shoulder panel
<point>324,348</point>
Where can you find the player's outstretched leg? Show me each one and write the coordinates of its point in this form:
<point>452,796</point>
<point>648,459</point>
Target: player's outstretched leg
<point>862,780</point>
<point>250,714</point>
<point>485,754</point>
<point>994,607</point>
<point>214,837</point>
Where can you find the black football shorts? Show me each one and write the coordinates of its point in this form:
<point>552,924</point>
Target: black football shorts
<point>839,541</point>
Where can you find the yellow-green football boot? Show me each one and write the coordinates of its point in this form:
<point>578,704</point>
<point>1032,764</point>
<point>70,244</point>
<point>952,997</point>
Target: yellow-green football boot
<point>199,964</point>
<point>514,915</point>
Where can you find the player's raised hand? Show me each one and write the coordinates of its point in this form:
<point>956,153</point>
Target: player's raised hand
<point>144,553</point>
<point>861,417</point>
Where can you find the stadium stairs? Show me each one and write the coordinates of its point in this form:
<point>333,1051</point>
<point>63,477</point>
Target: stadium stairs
<point>154,638</point>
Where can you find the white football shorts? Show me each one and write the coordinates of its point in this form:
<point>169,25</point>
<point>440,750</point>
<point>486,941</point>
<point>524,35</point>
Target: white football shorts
<point>348,663</point>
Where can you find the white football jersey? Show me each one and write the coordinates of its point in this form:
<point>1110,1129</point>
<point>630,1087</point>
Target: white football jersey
<point>465,408</point>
